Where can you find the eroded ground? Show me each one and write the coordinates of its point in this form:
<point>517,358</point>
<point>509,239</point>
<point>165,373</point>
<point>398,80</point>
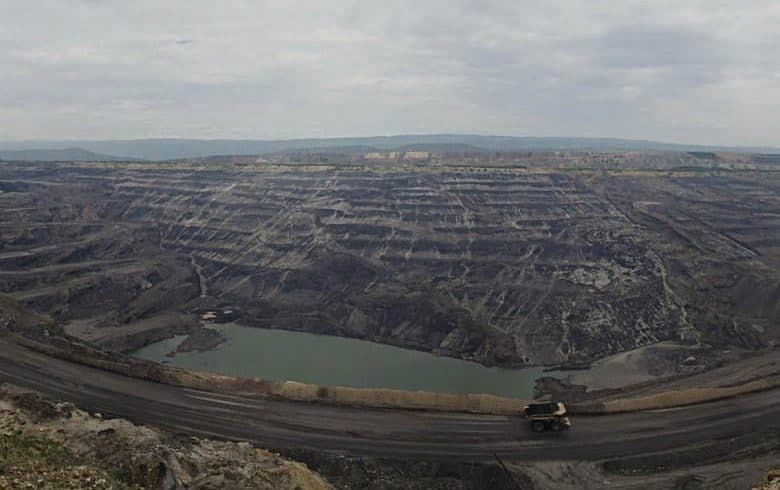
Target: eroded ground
<point>499,265</point>
<point>46,445</point>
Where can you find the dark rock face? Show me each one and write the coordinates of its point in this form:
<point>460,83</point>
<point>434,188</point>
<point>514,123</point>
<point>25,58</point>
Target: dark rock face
<point>502,266</point>
<point>349,472</point>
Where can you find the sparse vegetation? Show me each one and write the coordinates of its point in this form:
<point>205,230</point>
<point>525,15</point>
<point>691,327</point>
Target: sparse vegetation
<point>38,462</point>
<point>57,447</point>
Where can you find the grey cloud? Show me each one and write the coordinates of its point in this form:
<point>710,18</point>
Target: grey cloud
<point>652,46</point>
<point>663,70</point>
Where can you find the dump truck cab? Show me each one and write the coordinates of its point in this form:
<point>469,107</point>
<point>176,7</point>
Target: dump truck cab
<point>547,416</point>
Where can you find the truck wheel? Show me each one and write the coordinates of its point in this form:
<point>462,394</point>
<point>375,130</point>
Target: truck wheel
<point>556,426</point>
<point>537,426</point>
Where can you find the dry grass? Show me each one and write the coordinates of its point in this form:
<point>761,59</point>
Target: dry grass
<point>691,396</point>
<point>424,400</point>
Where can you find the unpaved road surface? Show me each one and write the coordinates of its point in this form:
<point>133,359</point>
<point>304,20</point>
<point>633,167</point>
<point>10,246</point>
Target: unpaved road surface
<point>382,432</point>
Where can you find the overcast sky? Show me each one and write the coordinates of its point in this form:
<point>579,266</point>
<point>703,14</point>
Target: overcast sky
<point>692,71</point>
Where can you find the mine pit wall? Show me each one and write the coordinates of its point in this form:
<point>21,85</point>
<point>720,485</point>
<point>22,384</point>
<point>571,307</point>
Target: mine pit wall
<point>376,398</point>
<point>390,243</point>
<point>508,267</point>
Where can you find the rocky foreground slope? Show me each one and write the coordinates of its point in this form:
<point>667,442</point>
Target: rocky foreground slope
<point>502,265</point>
<point>56,446</point>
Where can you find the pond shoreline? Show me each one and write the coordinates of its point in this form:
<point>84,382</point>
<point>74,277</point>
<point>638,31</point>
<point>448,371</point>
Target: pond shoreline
<point>285,355</point>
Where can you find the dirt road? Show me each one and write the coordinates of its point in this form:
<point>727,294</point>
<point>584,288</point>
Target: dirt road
<point>376,432</point>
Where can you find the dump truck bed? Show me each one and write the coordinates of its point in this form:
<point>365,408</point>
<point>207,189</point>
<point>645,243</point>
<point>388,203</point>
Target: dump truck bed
<point>547,416</point>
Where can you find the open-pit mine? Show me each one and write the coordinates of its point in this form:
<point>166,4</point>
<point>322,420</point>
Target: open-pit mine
<point>560,259</point>
<point>648,280</point>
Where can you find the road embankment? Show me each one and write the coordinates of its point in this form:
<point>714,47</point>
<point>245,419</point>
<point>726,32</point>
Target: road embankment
<point>691,396</point>
<point>290,390</point>
<point>365,397</point>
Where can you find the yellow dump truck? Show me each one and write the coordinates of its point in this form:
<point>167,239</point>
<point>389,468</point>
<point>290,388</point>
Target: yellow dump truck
<point>547,416</point>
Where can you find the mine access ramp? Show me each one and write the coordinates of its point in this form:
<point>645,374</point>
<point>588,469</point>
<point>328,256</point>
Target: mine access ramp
<point>547,416</point>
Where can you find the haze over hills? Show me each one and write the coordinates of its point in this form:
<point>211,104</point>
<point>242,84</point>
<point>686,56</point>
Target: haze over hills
<point>174,148</point>
<point>58,155</point>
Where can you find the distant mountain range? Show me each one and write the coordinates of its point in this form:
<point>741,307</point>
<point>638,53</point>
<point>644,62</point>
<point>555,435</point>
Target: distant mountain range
<point>55,155</point>
<point>167,149</point>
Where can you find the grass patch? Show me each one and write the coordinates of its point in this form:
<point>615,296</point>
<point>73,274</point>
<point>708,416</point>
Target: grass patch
<point>37,462</point>
<point>17,448</point>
